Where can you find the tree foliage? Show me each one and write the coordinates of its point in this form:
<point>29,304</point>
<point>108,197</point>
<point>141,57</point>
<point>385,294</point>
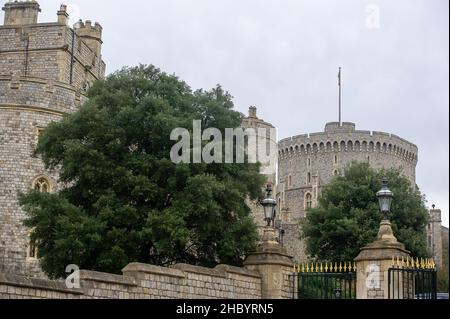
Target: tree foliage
<point>347,216</point>
<point>124,200</point>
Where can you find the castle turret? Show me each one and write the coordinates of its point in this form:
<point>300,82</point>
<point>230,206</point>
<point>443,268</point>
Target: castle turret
<point>45,70</point>
<point>309,162</point>
<point>91,35</point>
<point>21,12</point>
<point>434,232</point>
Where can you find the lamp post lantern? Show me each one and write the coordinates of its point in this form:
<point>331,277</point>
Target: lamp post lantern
<point>269,205</point>
<point>385,197</point>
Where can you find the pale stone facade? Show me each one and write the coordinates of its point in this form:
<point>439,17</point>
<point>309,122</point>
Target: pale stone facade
<point>308,162</point>
<point>142,281</point>
<point>45,69</point>
<point>268,169</point>
<point>435,235</point>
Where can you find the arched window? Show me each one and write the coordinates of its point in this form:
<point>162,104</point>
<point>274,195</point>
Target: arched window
<point>42,185</point>
<point>308,201</point>
<point>335,172</point>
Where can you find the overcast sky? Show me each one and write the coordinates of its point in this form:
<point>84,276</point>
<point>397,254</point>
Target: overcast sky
<point>283,56</point>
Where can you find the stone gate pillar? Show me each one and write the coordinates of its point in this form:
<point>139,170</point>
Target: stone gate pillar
<point>373,264</point>
<point>275,266</point>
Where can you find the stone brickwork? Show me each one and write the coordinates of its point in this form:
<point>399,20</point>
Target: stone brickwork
<point>373,264</point>
<point>268,169</point>
<point>308,162</point>
<point>45,69</point>
<point>435,235</point>
<point>142,281</point>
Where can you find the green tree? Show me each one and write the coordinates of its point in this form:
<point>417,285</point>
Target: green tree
<point>347,216</point>
<point>124,200</point>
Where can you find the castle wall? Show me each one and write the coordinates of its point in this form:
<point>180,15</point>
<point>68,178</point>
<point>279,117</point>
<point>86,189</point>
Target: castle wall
<point>142,281</point>
<point>27,105</point>
<point>309,162</point>
<point>45,51</point>
<point>44,71</point>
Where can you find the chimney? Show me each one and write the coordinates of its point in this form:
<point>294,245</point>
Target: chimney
<point>252,112</point>
<point>63,16</point>
<point>21,12</point>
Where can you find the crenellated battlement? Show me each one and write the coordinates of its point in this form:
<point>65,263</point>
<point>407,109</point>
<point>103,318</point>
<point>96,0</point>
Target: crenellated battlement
<point>347,139</point>
<point>95,30</point>
<point>51,51</point>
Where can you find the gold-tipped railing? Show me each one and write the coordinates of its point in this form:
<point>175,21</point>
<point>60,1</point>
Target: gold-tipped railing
<point>414,263</point>
<point>324,267</point>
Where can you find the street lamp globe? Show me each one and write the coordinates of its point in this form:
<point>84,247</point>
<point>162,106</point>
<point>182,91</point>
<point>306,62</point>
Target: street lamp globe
<point>385,197</point>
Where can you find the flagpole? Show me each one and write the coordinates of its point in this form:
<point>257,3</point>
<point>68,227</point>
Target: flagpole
<point>340,98</point>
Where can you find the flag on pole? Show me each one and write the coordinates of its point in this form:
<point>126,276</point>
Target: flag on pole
<point>339,76</point>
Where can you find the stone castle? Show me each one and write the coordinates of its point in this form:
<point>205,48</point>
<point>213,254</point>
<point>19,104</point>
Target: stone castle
<point>45,71</point>
<point>307,163</point>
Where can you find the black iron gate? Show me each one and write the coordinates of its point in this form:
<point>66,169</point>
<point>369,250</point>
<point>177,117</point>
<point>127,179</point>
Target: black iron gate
<point>325,281</point>
<point>412,280</point>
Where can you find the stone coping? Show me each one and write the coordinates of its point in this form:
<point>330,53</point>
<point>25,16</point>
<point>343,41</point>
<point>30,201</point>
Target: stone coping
<point>269,257</point>
<point>385,252</point>
<point>239,271</point>
<point>35,25</point>
<point>180,270</point>
<point>107,278</point>
<point>152,269</point>
<point>200,270</point>
<point>35,283</point>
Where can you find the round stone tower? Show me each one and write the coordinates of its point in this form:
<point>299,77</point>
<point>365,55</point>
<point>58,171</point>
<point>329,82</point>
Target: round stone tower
<point>45,69</point>
<point>266,154</point>
<point>309,162</point>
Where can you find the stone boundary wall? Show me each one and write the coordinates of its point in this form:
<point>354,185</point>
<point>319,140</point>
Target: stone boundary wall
<point>142,281</point>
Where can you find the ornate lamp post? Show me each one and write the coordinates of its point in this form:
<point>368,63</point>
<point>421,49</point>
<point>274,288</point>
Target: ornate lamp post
<point>269,205</point>
<point>385,197</point>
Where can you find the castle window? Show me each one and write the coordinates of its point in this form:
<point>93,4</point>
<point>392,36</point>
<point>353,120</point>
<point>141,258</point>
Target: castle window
<point>32,250</point>
<point>309,178</point>
<point>430,242</point>
<point>335,172</point>
<point>290,181</point>
<point>42,185</point>
<point>39,131</point>
<point>308,201</point>
<point>309,162</point>
<point>335,159</point>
